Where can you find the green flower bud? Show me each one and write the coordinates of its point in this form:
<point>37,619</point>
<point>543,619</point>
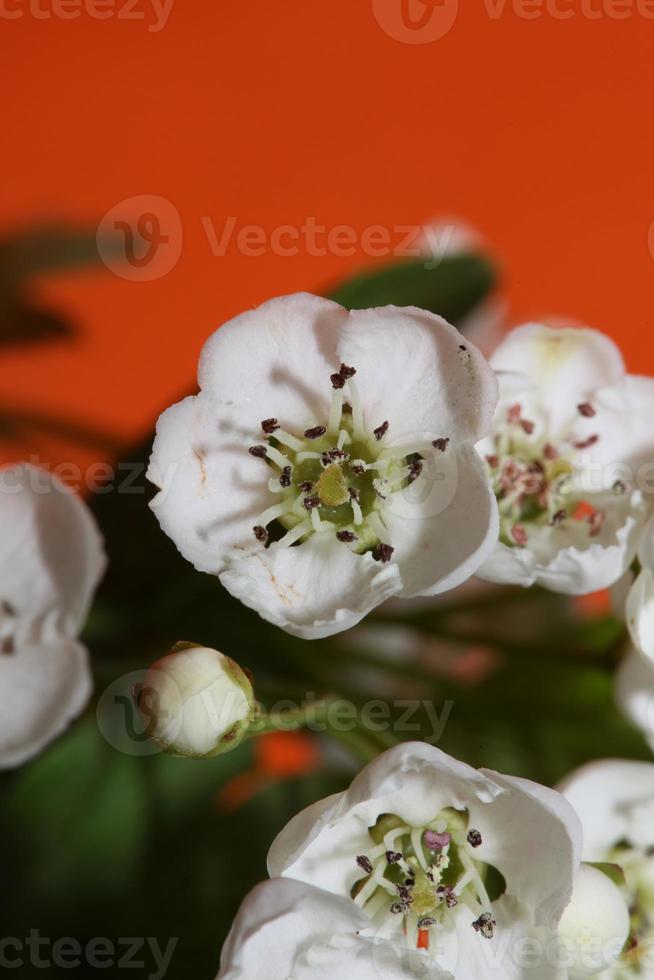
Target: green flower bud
<point>197,702</point>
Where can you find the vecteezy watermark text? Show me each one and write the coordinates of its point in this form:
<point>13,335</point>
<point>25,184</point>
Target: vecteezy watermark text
<point>100,953</point>
<point>154,13</point>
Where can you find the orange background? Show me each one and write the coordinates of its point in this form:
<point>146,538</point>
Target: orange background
<point>538,132</point>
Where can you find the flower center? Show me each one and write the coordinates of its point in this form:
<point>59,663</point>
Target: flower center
<point>337,477</point>
<point>638,866</point>
<point>533,479</point>
<point>426,875</point>
<point>8,617</point>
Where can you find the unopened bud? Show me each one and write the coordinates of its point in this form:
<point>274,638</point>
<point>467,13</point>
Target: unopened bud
<point>595,926</point>
<point>197,702</point>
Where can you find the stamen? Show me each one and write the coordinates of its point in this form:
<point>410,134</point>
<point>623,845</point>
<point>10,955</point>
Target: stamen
<point>357,410</point>
<point>415,469</point>
<point>269,426</point>
<point>310,503</point>
<point>597,520</point>
<point>559,517</point>
<point>288,440</point>
<point>285,478</point>
<point>259,451</point>
<point>358,467</point>
<point>365,864</point>
<point>435,841</point>
<point>586,443</point>
<point>304,527</point>
<point>527,426</point>
<point>260,533</point>
<point>278,458</point>
<point>335,412</point>
<point>316,432</point>
<point>446,893</point>
<point>393,857</point>
<point>383,553</point>
<point>306,487</point>
<point>380,431</point>
<point>549,452</point>
<point>347,537</point>
<point>587,410</point>
<point>474,838</point>
<point>485,925</point>
<point>441,444</point>
<point>277,510</point>
<point>519,535</point>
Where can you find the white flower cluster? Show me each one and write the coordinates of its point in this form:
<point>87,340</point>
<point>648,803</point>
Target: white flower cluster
<point>330,461</point>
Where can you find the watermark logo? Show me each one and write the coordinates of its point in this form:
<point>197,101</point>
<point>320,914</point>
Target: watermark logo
<point>140,238</point>
<point>416,21</point>
<point>152,13</point>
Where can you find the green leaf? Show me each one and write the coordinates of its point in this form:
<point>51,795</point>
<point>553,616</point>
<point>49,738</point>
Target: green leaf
<point>453,288</point>
<point>612,871</point>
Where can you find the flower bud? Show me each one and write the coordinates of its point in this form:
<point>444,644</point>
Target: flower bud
<point>197,702</point>
<point>595,925</point>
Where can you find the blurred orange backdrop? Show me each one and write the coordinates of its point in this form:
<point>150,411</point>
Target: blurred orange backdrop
<point>535,129</point>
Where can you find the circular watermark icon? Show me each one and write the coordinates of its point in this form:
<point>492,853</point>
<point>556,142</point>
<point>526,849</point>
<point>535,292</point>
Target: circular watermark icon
<point>124,712</point>
<point>416,21</point>
<point>140,238</point>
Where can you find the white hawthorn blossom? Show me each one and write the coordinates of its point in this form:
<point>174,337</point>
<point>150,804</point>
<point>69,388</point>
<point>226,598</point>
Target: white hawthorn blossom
<point>615,802</point>
<point>462,864</point>
<point>570,435</point>
<point>51,561</point>
<point>634,690</point>
<point>328,461</point>
<point>288,929</point>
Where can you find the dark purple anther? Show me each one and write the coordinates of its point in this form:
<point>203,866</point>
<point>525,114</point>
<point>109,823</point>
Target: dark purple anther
<point>315,433</point>
<point>269,426</point>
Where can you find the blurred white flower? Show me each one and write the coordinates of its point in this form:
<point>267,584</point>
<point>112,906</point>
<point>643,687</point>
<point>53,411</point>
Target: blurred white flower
<point>328,461</point>
<point>571,433</point>
<point>595,926</point>
<point>464,864</point>
<point>615,802</point>
<point>196,702</point>
<point>634,691</point>
<point>52,560</point>
<point>290,929</point>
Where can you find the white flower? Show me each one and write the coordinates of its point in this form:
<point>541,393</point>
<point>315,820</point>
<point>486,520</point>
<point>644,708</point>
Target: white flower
<point>595,926</point>
<point>51,562</point>
<point>347,435</point>
<point>640,599</point>
<point>197,702</point>
<point>570,435</point>
<point>615,801</point>
<point>634,690</point>
<point>462,863</point>
<point>287,929</point>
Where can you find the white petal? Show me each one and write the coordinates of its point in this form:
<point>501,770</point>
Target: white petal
<point>626,439</point>
<point>640,612</point>
<point>566,558</point>
<point>516,952</point>
<point>314,590</point>
<point>609,797</point>
<point>531,834</point>
<point>510,566</point>
<point>443,526</point>
<point>42,688</point>
<point>289,929</point>
<point>52,554</point>
<point>634,689</point>
<point>275,361</point>
<point>568,364</point>
<point>418,373</point>
<point>211,489</point>
<point>530,824</point>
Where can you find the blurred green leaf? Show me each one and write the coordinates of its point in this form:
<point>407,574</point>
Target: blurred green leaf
<point>452,287</point>
<point>31,253</point>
